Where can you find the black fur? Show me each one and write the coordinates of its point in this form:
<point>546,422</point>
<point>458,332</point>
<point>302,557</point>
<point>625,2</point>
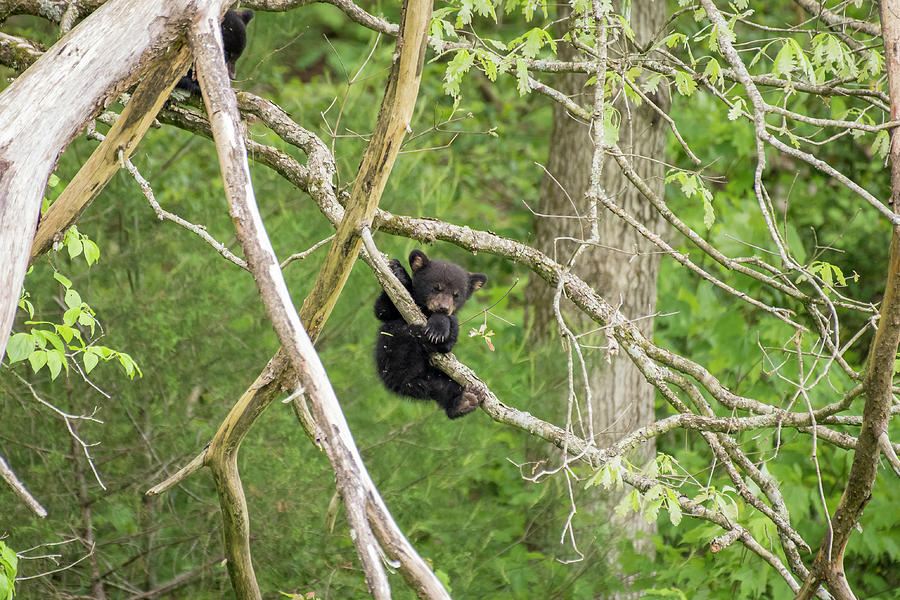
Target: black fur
<point>401,350</point>
<point>234,40</point>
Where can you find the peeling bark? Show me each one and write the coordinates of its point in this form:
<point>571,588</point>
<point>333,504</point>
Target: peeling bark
<point>81,74</point>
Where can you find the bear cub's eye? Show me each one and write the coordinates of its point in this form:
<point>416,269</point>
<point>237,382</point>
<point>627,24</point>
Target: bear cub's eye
<point>456,294</point>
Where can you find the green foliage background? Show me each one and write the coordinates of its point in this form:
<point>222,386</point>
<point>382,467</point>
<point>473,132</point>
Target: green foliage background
<point>195,326</point>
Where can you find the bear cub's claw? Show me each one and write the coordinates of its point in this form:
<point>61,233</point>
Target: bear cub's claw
<point>437,329</point>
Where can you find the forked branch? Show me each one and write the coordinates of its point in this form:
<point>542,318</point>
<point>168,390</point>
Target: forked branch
<point>366,512</point>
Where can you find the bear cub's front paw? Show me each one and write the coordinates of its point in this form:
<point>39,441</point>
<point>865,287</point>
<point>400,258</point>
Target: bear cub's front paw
<point>437,329</point>
<point>399,272</point>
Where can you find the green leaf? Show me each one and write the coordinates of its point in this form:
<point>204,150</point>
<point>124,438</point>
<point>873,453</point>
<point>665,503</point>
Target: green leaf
<point>86,319</point>
<point>488,64</point>
<point>624,24</point>
<point>785,60</point>
<point>9,560</point>
<point>19,347</point>
<point>532,42</point>
<point>456,68</point>
<point>712,41</point>
<point>71,315</point>
<point>726,505</point>
<point>440,26</point>
<point>873,63</point>
<point>127,363</point>
<point>444,578</point>
<point>38,359</point>
<point>651,84</point>
<point>824,271</point>
<point>675,514</point>
<point>74,247</point>
<point>497,44</point>
<point>134,365</point>
<point>684,83</point>
<point>62,279</point>
<point>66,332</point>
<point>610,126</point>
<point>691,185</point>
<point>54,363</point>
<point>736,109</point>
<point>27,306</point>
<point>522,77</point>
<point>90,361</point>
<point>713,73</point>
<point>91,251</point>
<point>833,51</point>
<point>39,340</point>
<point>665,464</point>
<point>52,337</point>
<point>709,215</point>
<point>102,351</point>
<point>673,507</point>
<point>829,52</point>
<point>804,63</point>
<point>485,8</point>
<point>73,298</point>
<point>674,38</point>
<point>882,144</point>
<point>536,39</point>
<point>464,16</point>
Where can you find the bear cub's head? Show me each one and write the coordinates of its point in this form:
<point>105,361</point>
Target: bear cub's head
<point>439,286</point>
<point>234,36</point>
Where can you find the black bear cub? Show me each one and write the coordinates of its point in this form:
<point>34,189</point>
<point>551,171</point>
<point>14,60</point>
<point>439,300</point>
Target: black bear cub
<point>401,352</point>
<point>234,40</point>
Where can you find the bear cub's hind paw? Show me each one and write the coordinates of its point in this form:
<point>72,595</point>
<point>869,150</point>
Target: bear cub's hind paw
<point>469,400</point>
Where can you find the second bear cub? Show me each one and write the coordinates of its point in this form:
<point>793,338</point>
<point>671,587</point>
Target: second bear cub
<point>401,353</point>
<point>234,40</point>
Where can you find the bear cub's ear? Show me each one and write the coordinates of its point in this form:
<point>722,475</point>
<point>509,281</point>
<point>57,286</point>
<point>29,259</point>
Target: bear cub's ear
<point>246,15</point>
<point>418,260</point>
<point>476,280</point>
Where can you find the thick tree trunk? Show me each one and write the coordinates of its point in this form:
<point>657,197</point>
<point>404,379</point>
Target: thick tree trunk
<point>625,268</point>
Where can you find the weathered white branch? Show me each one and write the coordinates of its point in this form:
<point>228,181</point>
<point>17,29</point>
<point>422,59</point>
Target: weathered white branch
<point>21,491</point>
<point>46,107</point>
<point>358,491</point>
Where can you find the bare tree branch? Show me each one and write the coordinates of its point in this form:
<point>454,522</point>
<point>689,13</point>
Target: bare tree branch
<point>21,491</point>
<point>176,582</point>
<point>836,21</point>
<point>360,497</point>
<point>829,562</point>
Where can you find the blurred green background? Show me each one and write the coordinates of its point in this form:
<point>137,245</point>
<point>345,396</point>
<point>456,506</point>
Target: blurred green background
<point>194,324</point>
